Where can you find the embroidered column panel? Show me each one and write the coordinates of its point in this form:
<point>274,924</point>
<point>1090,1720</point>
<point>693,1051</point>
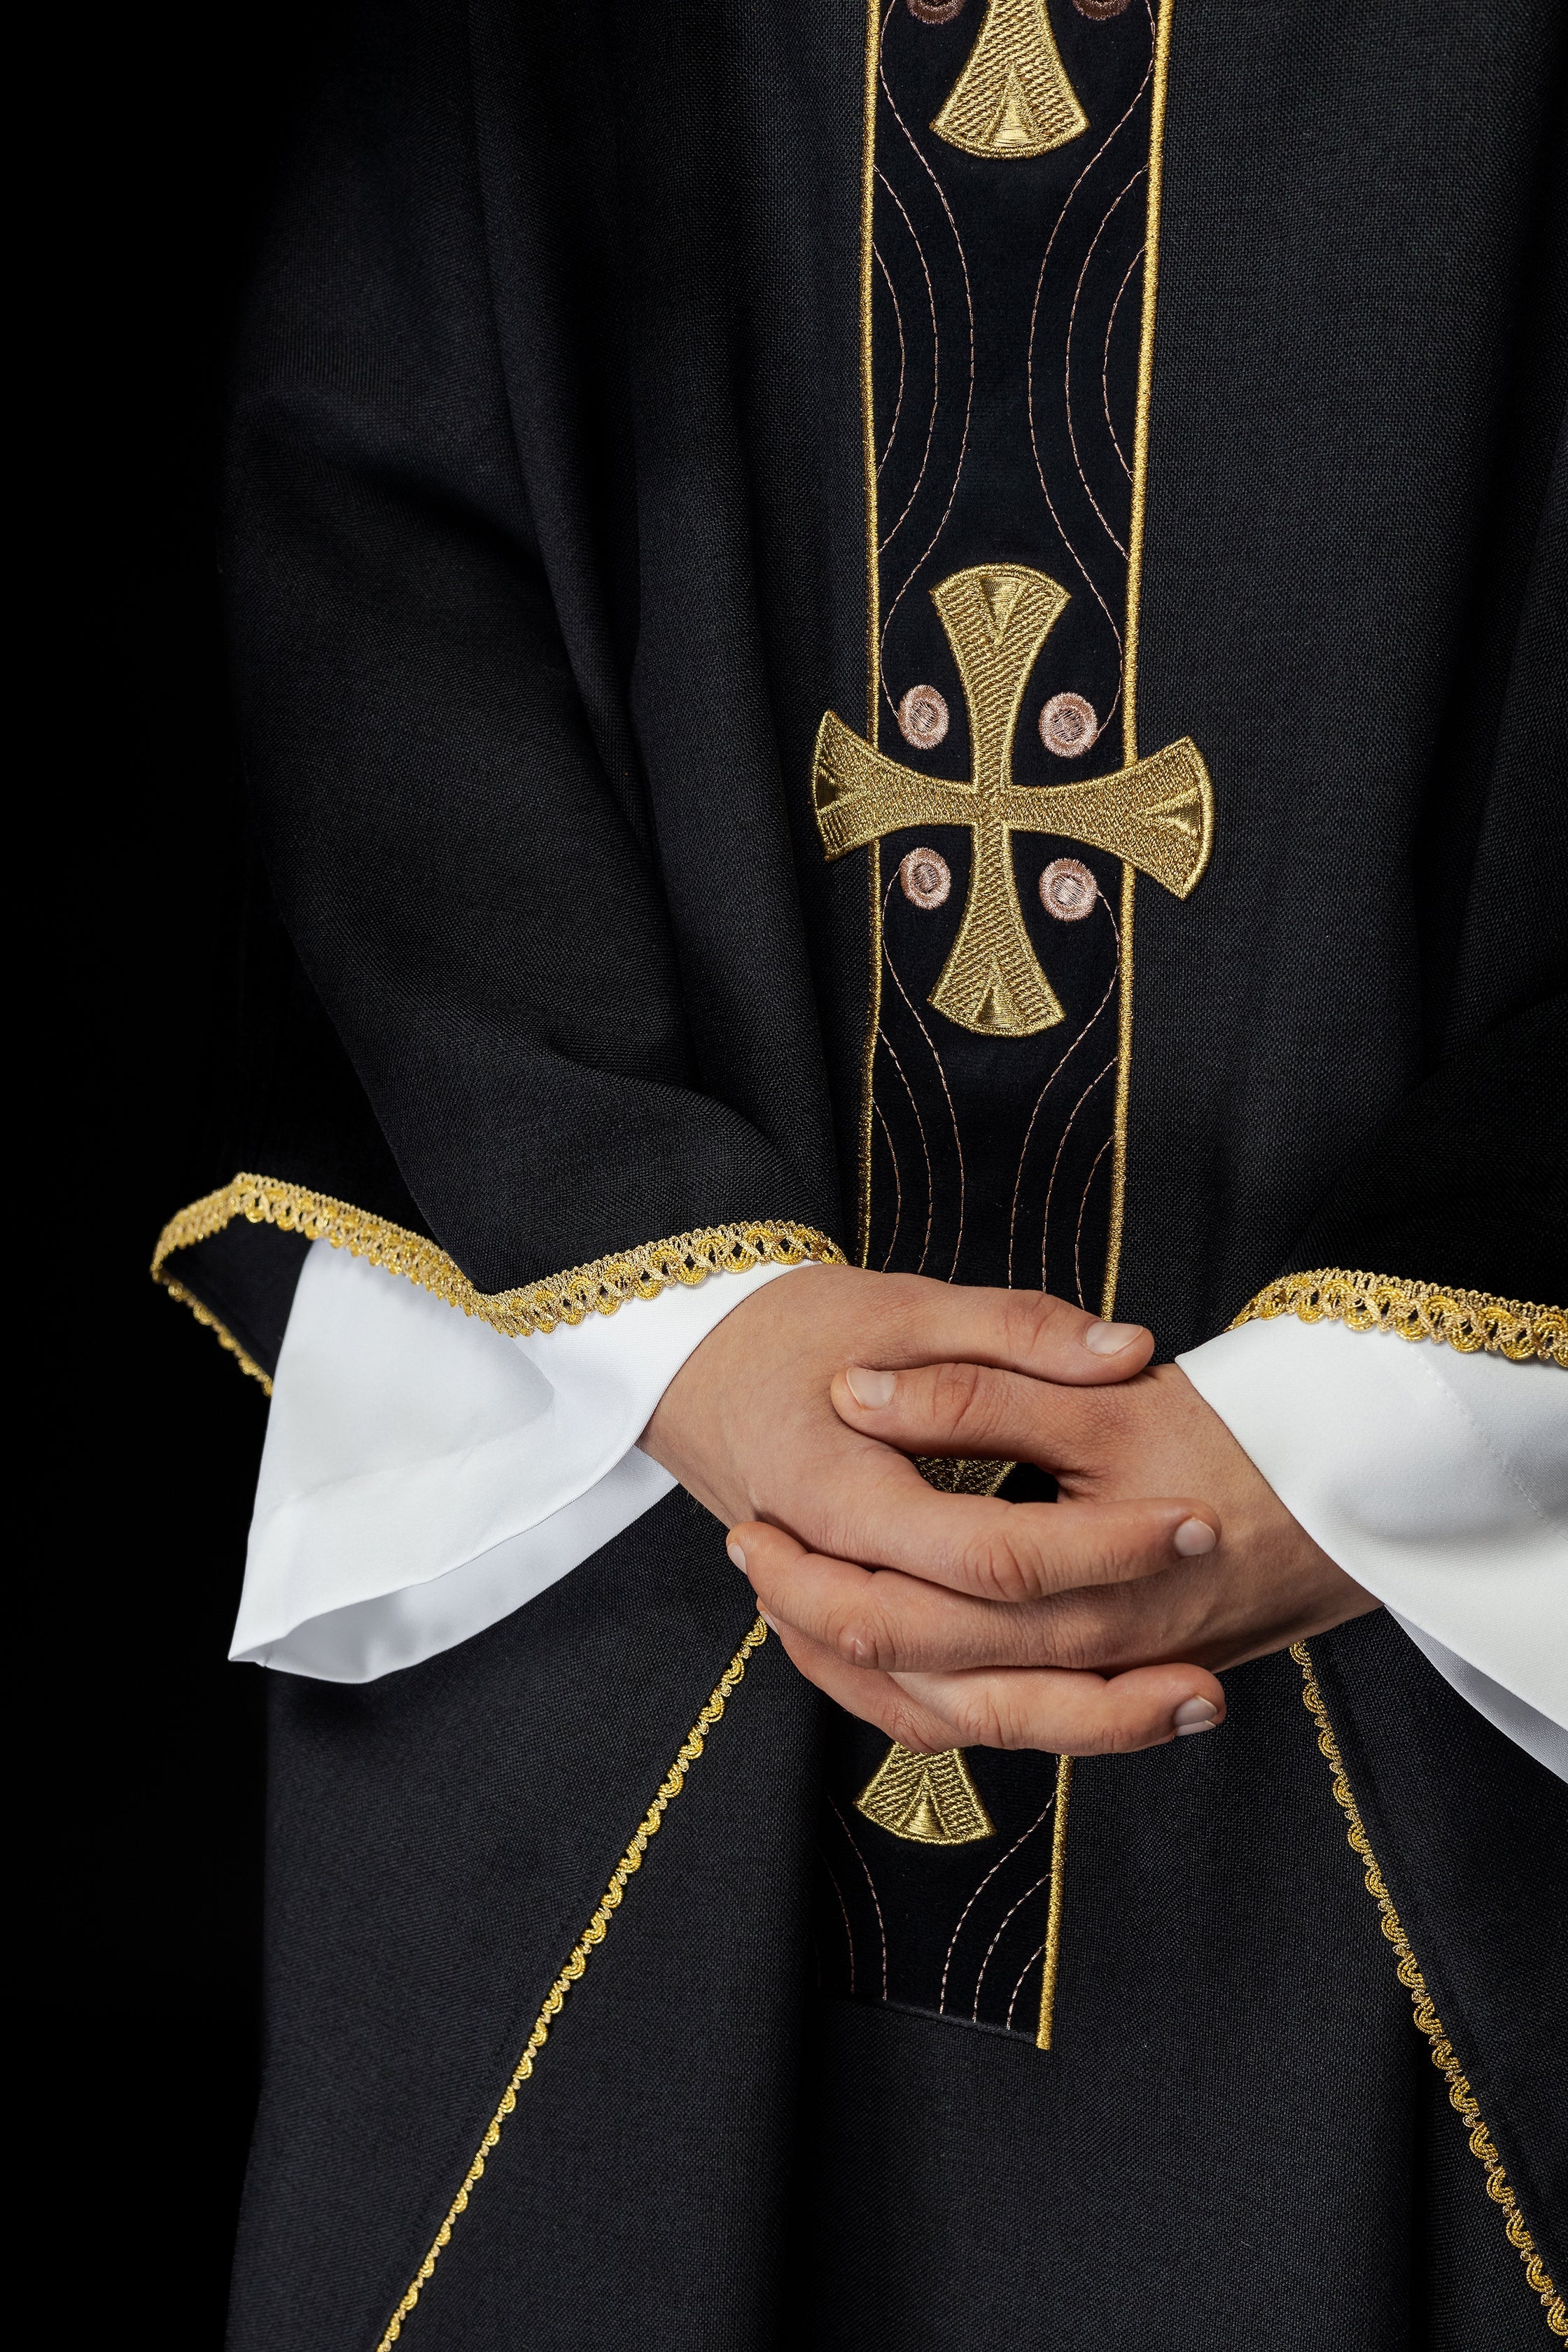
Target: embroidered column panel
<point>998,788</point>
<point>1008,224</point>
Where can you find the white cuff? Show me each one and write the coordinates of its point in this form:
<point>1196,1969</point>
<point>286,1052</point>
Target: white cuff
<point>424,1477</point>
<point>1438,1481</point>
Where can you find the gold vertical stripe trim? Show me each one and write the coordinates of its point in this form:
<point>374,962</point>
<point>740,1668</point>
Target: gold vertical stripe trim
<point>873,603</point>
<point>868,1057</point>
<point>1123,1099</point>
<point>1145,378</point>
<point>1054,1916</point>
<point>868,408</point>
<point>1134,601</point>
<point>1426,2018</point>
<point>592,1935</point>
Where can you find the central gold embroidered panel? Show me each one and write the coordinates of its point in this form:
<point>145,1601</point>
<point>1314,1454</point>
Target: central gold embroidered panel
<point>1000,799</point>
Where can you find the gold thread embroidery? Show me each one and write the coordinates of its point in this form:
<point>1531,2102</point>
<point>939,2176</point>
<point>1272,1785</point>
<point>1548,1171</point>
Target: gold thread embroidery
<point>1123,1099</point>
<point>930,1800</point>
<point>1134,604</point>
<point>954,1475</point>
<point>221,1331</point>
<point>1466,1320</point>
<point>592,1935</point>
<point>1157,815</point>
<point>1054,1917</point>
<point>600,1288</point>
<point>1012,99</point>
<point>1425,2016</point>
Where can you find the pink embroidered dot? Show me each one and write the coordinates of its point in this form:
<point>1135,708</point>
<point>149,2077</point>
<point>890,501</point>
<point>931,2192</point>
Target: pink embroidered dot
<point>922,717</point>
<point>942,12</point>
<point>1067,725</point>
<point>1099,12</point>
<point>925,879</point>
<point>1068,890</point>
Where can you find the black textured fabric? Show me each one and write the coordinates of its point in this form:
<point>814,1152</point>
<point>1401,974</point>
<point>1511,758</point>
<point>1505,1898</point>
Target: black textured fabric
<point>1353,601</point>
<point>540,831</point>
<point>439,1842</point>
<point>545,558</point>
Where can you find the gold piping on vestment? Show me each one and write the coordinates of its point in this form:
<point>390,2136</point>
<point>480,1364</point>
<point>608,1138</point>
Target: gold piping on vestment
<point>1123,1098</point>
<point>594,1934</point>
<point>599,1288</point>
<point>1426,2019</point>
<point>868,1053</point>
<point>1130,670</point>
<point>1466,1320</point>
<point>221,1331</point>
<point>1054,1916</point>
<point>873,603</point>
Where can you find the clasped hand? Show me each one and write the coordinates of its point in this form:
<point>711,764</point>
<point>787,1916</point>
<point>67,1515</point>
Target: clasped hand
<point>1092,1623</point>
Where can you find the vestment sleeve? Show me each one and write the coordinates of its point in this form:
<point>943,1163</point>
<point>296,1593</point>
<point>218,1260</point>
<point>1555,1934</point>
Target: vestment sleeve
<point>1439,1481</point>
<point>424,1477</point>
<point>431,562</point>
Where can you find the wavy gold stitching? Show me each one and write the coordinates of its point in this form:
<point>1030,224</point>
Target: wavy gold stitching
<point>1459,2094</point>
<point>225,1337</point>
<point>592,1935</point>
<point>1466,1320</point>
<point>600,1288</point>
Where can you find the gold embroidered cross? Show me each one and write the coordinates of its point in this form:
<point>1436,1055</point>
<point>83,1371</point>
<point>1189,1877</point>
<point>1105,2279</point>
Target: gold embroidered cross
<point>1157,815</point>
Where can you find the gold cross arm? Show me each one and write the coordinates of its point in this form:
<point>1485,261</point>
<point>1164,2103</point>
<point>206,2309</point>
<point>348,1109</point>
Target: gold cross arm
<point>1157,815</point>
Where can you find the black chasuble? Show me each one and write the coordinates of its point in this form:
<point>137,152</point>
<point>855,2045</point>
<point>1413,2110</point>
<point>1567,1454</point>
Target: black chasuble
<point>937,637</point>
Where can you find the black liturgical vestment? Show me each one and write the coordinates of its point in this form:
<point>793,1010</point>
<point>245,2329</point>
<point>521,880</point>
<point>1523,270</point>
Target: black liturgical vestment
<point>937,637</point>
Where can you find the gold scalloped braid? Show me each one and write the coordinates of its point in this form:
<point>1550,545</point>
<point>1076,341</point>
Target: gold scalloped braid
<point>597,1289</point>
<point>1467,1320</point>
<point>225,1337</point>
<point>592,1935</point>
<point>1459,2094</point>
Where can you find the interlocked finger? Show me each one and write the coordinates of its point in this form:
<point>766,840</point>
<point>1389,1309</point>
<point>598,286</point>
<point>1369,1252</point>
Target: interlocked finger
<point>889,1517</point>
<point>904,1624</point>
<point>980,1411</point>
<point>1051,1709</point>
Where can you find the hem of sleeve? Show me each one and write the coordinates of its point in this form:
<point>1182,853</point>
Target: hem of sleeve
<point>1466,1320</point>
<point>601,1287</point>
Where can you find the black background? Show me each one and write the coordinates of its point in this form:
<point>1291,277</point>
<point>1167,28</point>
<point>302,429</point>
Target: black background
<point>153,1743</point>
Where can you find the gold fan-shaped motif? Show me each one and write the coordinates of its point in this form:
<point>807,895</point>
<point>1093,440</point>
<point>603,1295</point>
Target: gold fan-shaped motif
<point>928,1798</point>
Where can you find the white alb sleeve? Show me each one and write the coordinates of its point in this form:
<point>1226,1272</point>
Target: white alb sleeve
<point>1438,1481</point>
<point>423,1475</point>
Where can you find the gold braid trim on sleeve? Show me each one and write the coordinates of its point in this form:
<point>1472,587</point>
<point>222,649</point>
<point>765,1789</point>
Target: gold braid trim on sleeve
<point>594,1934</point>
<point>1461,2097</point>
<point>225,1337</point>
<point>597,1289</point>
<point>1466,1320</point>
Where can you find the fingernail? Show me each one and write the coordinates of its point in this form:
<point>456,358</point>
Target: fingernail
<point>1109,1338</point>
<point>867,1387</point>
<point>1195,1715</point>
<point>736,1554</point>
<point>1193,1537</point>
<point>767,1621</point>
